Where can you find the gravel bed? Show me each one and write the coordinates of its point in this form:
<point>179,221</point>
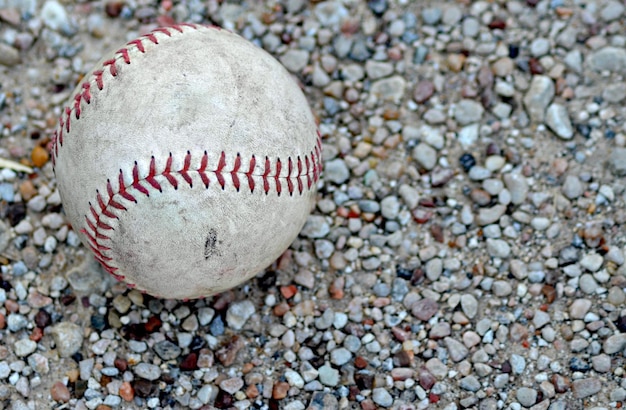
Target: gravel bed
<point>467,249</point>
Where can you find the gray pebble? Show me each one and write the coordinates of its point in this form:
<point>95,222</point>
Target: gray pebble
<point>572,187</point>
<point>615,343</point>
<point>336,171</point>
<point>431,15</point>
<point>340,356</point>
<point>518,363</point>
<point>147,371</point>
<point>609,59</point>
<point>382,397</point>
<point>538,97</point>
<point>328,375</point>
<point>68,338</point>
<point>557,118</point>
<point>316,226</point>
<point>390,207</point>
<point>468,111</point>
<point>498,248</point>
<point>24,347</point>
<point>469,383</point>
<point>616,162</point>
<point>425,155</point>
<point>167,350</point>
<point>539,47</point>
<point>238,314</point>
<point>526,396</point>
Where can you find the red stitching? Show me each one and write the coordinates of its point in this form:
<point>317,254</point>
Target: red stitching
<point>266,184</point>
<point>235,171</point>
<point>218,172</point>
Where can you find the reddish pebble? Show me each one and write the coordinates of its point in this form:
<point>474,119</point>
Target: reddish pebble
<point>36,335</point>
<point>3,321</point>
<point>497,24</point>
<point>360,362</point>
<point>288,291</point>
<point>153,324</point>
<point>252,392</point>
<point>113,8</point>
<point>280,309</point>
<point>59,392</point>
<point>368,405</point>
<point>535,66</point>
<point>280,390</point>
<point>120,364</point>
<point>126,392</point>
<point>336,288</point>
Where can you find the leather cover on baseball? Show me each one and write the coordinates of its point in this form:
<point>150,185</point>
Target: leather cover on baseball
<point>187,161</point>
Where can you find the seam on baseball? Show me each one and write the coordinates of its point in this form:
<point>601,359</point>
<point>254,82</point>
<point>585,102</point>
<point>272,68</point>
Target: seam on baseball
<point>302,176</point>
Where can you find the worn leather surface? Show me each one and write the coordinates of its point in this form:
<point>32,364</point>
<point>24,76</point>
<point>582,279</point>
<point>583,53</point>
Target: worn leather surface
<point>133,169</point>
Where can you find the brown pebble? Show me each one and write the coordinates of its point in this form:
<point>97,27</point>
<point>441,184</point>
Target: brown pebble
<point>36,334</point>
<point>3,321</point>
<point>336,288</point>
<point>103,407</point>
<point>480,197</point>
<point>227,354</point>
<point>368,405</point>
<point>360,362</point>
<point>27,190</point>
<point>280,309</point>
<point>280,390</point>
<point>561,383</point>
<point>113,8</point>
<point>497,24</point>
<point>39,156</point>
<point>535,66</point>
<point>60,392</point>
<point>120,364</point>
<point>72,375</point>
<point>549,292</point>
<point>455,62</point>
<point>423,91</point>
<point>252,392</point>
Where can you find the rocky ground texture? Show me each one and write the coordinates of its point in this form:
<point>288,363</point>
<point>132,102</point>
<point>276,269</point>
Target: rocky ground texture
<point>467,249</point>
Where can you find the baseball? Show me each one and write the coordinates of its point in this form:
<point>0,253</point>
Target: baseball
<point>187,161</point>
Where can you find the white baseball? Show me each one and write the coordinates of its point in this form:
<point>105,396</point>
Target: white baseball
<point>187,161</point>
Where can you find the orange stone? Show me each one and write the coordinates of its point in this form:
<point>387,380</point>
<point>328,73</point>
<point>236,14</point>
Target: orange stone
<point>252,392</point>
<point>27,190</point>
<point>288,291</point>
<point>39,156</point>
<point>36,335</point>
<point>126,391</point>
<point>280,390</point>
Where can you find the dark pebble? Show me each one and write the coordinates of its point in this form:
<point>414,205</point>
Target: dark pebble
<point>120,364</point>
<point>578,364</point>
<point>620,323</point>
<point>189,363</point>
<point>143,388</point>
<point>426,378</point>
<point>223,400</point>
<point>609,134</point>
<point>497,24</point>
<point>584,130</point>
<point>67,300</point>
<point>113,8</point>
<point>98,322</point>
<point>267,281</point>
<point>513,50</point>
<point>79,388</point>
<point>467,161</point>
<point>404,273</point>
<point>535,66</point>
<point>43,319</point>
<point>402,358</point>
<point>364,381</point>
<point>16,212</point>
<point>506,367</point>
<point>197,343</point>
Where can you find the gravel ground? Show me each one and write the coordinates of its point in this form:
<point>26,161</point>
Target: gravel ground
<point>466,250</point>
